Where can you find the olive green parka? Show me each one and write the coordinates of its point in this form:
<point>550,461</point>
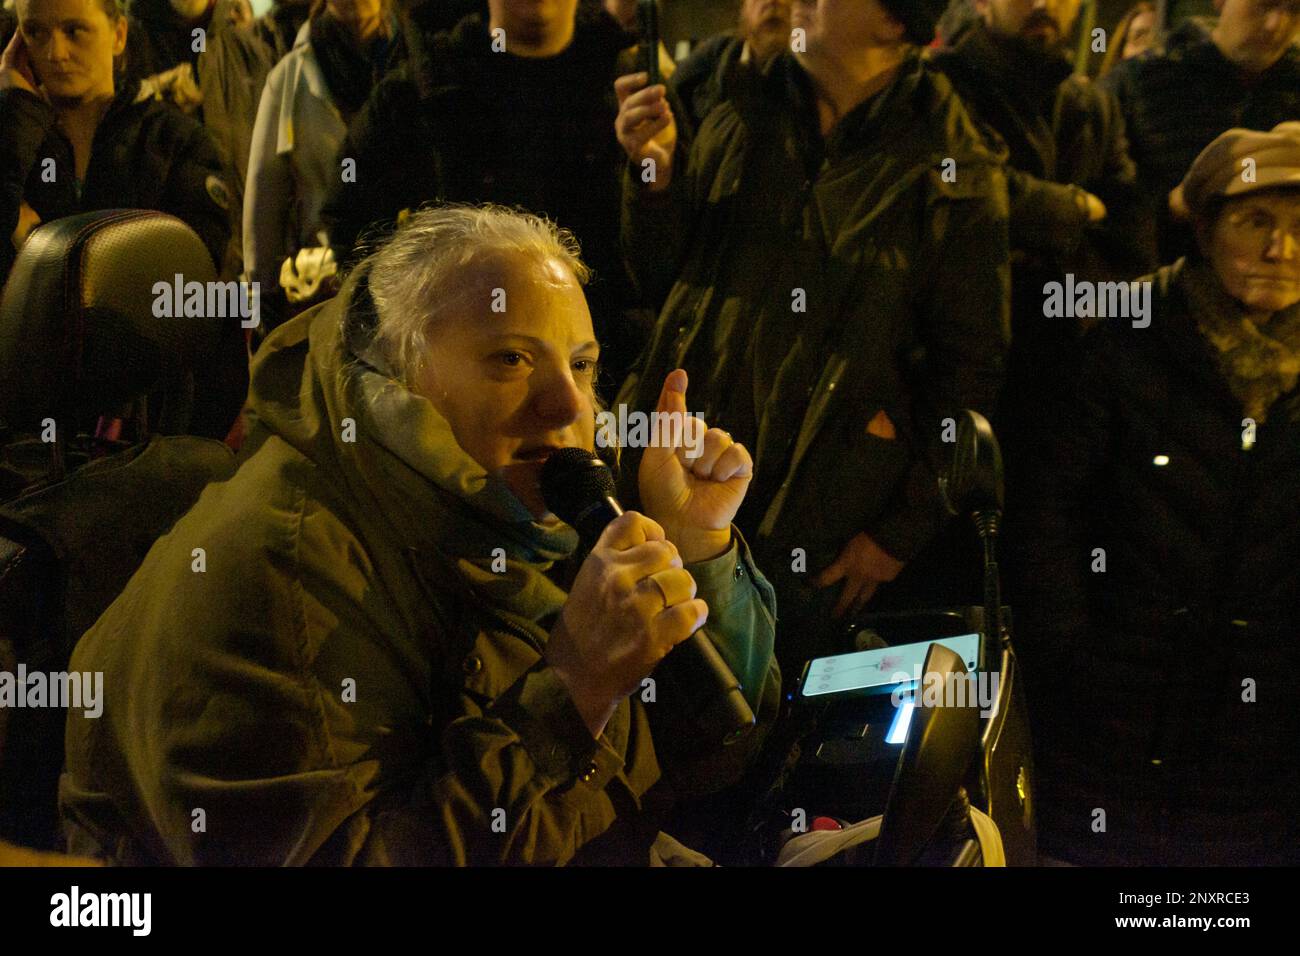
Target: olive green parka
<point>329,661</point>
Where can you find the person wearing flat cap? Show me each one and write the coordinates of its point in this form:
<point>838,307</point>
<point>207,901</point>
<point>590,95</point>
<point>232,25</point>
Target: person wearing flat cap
<point>1165,539</point>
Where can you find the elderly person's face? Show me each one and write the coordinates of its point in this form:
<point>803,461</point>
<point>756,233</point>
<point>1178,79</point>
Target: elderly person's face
<point>519,383</point>
<point>1254,247</point>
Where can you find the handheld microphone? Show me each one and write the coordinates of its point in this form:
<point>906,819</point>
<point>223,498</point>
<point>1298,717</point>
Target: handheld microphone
<point>579,489</point>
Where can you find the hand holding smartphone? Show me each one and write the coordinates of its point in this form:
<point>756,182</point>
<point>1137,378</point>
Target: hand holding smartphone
<point>647,16</point>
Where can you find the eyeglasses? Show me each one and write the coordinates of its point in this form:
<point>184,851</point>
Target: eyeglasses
<point>1260,224</point>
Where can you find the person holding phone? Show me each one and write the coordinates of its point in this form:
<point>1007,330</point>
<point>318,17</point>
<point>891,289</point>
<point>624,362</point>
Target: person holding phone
<point>73,139</point>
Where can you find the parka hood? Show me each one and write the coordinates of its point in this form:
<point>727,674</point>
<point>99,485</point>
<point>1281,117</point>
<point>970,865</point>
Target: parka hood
<point>390,455</point>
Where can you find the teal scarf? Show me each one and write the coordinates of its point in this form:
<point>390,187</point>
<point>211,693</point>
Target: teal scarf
<point>471,517</point>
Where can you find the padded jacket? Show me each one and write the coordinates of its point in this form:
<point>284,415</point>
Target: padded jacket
<point>145,156</point>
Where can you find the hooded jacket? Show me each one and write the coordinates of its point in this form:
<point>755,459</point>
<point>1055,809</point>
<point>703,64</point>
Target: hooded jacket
<point>337,656</point>
<point>813,284</point>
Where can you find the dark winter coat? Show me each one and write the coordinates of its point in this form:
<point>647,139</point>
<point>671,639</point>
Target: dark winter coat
<point>1159,634</point>
<point>1176,102</point>
<point>1061,133</point>
<point>813,284</point>
<point>473,125</point>
<point>1063,136</point>
<point>145,156</point>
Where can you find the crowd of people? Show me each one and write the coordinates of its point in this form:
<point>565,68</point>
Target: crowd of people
<point>825,233</point>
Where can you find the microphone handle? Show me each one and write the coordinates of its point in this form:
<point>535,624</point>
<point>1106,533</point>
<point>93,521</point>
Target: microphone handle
<point>698,679</point>
<point>591,520</point>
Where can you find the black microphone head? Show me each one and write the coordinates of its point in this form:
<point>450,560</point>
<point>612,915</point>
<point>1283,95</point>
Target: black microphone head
<point>572,480</point>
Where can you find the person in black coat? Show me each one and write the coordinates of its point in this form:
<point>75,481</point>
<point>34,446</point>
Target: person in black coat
<point>1162,544</point>
<point>523,118</point>
<point>146,156</point>
<point>1241,70</point>
<point>59,96</point>
<point>1075,206</point>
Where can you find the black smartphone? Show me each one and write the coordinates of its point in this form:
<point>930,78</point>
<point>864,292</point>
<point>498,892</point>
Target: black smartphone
<point>647,18</point>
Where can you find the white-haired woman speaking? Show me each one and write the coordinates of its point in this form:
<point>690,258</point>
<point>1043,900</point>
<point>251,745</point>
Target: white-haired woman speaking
<point>361,649</point>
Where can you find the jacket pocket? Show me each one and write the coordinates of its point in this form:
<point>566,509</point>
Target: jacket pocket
<point>492,663</point>
<point>846,481</point>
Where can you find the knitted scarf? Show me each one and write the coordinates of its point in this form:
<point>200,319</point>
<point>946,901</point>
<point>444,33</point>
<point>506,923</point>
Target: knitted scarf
<point>1258,355</point>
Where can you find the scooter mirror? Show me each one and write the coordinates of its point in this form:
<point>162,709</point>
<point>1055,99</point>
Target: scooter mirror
<point>973,481</point>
